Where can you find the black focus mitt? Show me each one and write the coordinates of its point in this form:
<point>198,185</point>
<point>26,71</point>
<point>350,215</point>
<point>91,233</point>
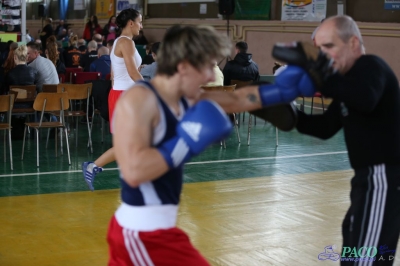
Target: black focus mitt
<point>307,56</point>
<point>282,116</point>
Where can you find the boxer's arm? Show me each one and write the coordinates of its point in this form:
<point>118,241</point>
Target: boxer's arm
<point>135,117</point>
<point>243,99</point>
<point>291,83</point>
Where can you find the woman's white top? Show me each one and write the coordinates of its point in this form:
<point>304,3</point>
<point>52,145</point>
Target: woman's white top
<point>122,80</point>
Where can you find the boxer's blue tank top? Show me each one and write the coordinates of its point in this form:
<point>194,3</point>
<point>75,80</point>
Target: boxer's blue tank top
<point>167,188</point>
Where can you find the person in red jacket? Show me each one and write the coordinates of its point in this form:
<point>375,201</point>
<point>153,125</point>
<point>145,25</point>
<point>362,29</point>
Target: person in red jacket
<point>91,28</point>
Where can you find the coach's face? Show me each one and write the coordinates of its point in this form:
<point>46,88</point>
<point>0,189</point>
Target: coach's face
<point>343,53</point>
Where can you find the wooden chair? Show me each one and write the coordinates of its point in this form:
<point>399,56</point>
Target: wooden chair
<point>228,89</point>
<point>79,92</point>
<point>83,77</point>
<point>48,102</point>
<point>49,87</point>
<point>25,94</point>
<point>6,105</point>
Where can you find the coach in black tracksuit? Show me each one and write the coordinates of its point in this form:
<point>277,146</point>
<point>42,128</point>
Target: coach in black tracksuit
<point>366,104</point>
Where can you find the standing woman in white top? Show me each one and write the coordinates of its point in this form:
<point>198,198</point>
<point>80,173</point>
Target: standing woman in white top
<point>125,61</point>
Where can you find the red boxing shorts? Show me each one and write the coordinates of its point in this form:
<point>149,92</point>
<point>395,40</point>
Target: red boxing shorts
<point>161,247</point>
<point>113,97</point>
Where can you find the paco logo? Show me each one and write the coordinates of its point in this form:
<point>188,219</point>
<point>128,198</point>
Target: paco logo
<point>329,254</point>
<point>355,254</point>
<point>362,252</point>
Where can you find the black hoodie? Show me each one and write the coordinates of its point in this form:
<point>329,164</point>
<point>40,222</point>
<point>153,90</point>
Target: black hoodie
<point>241,68</point>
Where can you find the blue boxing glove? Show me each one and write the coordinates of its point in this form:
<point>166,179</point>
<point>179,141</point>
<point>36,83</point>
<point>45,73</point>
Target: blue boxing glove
<point>203,124</point>
<point>290,84</point>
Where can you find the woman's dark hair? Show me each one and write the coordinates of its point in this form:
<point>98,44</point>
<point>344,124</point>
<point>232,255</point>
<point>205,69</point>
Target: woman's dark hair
<point>125,16</point>
<point>95,21</point>
<point>109,21</point>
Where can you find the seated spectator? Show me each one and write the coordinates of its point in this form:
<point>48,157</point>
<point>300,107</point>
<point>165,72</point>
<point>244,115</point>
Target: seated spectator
<point>82,45</point>
<point>52,54</point>
<point>148,59</point>
<point>7,66</point>
<point>140,39</point>
<point>4,54</point>
<point>242,67</point>
<point>149,71</point>
<point>61,30</point>
<point>98,39</point>
<point>103,63</point>
<point>89,57</point>
<point>110,44</point>
<point>46,69</point>
<point>110,29</point>
<point>39,42</point>
<point>63,35</point>
<point>21,74</point>
<point>219,77</point>
<point>72,56</point>
<point>91,28</point>
<point>29,38</point>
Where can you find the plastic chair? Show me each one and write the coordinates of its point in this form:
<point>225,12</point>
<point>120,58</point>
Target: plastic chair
<point>61,78</point>
<point>69,71</point>
<point>6,105</point>
<point>84,77</point>
<point>48,102</point>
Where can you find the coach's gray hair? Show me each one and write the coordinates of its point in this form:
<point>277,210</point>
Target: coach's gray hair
<point>348,28</point>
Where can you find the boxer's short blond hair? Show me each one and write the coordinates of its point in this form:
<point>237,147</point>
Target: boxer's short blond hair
<point>198,45</point>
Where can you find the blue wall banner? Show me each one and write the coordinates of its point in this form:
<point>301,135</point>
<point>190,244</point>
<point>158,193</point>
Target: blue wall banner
<point>392,4</point>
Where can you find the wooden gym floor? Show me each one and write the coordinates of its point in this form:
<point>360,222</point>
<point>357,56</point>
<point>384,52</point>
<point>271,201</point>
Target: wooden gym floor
<point>243,205</point>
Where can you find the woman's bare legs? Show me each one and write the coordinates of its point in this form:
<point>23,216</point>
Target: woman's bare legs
<point>106,158</point>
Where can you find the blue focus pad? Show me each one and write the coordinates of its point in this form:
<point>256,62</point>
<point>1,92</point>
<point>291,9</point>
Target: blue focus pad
<point>290,84</point>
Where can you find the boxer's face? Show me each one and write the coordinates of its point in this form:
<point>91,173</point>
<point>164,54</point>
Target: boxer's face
<point>343,53</point>
<point>193,78</point>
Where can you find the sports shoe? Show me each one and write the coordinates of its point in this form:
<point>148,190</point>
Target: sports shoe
<point>89,171</point>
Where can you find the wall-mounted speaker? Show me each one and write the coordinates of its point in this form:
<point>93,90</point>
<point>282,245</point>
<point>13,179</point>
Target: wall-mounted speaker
<point>226,7</point>
<point>42,10</point>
